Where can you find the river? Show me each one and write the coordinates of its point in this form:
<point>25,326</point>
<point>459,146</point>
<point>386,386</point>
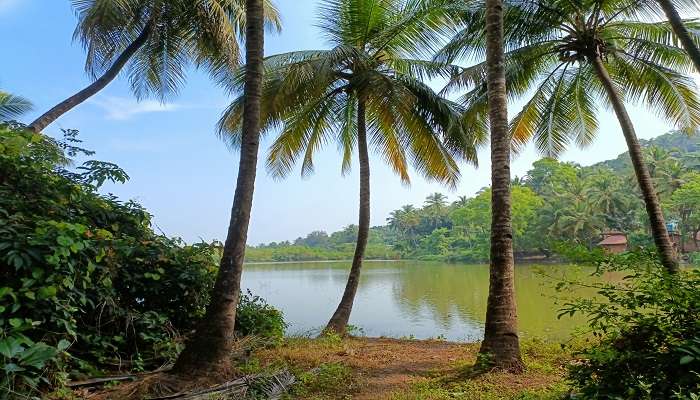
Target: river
<point>409,299</point>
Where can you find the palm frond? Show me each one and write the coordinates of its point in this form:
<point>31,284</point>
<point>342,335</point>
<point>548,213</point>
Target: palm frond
<point>12,106</point>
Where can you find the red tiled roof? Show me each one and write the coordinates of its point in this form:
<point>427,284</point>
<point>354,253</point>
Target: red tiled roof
<point>614,239</point>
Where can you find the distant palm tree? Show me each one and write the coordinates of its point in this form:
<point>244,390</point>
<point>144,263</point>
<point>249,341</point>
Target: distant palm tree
<point>461,201</point>
<point>655,157</point>
<point>436,201</point>
<point>670,176</point>
<point>365,91</point>
<point>12,106</point>
<point>604,192</point>
<point>578,220</point>
<point>209,348</point>
<point>155,40</point>
<point>404,221</point>
<point>571,56</point>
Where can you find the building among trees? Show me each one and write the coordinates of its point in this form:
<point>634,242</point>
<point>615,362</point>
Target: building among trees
<point>614,242</point>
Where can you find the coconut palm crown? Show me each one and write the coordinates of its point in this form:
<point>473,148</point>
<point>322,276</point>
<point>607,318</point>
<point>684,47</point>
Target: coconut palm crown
<point>569,57</point>
<point>550,48</point>
<point>313,96</point>
<point>179,33</point>
<point>154,41</point>
<point>12,106</point>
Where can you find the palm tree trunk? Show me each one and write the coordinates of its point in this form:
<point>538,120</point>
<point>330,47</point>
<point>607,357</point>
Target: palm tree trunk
<point>501,345</point>
<point>651,201</point>
<point>339,321</point>
<point>66,105</point>
<point>210,347</point>
<point>681,31</point>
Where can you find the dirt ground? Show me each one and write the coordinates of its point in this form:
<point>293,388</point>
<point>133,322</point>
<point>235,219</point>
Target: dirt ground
<point>383,369</point>
<point>389,369</point>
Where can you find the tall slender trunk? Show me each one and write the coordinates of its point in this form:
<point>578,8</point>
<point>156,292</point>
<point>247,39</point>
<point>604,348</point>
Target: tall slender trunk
<point>66,105</point>
<point>681,31</point>
<point>501,344</point>
<point>209,349</point>
<point>339,321</point>
<point>651,201</point>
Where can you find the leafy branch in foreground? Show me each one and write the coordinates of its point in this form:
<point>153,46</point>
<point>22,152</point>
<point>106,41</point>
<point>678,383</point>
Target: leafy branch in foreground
<point>646,324</point>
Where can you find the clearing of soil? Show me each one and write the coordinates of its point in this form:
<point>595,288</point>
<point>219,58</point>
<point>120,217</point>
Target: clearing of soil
<point>390,368</point>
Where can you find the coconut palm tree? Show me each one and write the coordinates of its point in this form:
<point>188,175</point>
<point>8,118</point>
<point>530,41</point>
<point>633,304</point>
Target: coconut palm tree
<point>569,57</point>
<point>209,349</point>
<point>155,40</point>
<point>436,201</point>
<point>366,91</point>
<point>461,201</point>
<point>603,189</point>
<point>12,106</point>
<point>501,344</point>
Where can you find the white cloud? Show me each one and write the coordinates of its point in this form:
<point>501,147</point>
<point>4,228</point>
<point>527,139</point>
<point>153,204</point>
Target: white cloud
<point>123,108</point>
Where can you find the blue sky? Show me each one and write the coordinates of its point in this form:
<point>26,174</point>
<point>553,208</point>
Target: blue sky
<point>182,173</point>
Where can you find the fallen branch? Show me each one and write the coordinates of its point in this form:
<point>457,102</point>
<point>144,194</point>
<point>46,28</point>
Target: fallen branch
<point>106,379</point>
<point>267,386</point>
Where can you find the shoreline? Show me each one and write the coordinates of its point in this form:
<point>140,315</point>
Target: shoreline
<point>521,261</point>
<point>320,261</point>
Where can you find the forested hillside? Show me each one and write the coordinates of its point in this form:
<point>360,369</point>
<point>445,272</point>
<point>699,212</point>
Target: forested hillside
<point>681,145</point>
<point>558,208</point>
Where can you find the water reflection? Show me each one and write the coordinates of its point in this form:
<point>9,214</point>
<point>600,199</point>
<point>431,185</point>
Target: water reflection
<point>402,299</point>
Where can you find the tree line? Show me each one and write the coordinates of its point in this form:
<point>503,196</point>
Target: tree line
<point>560,210</point>
<point>369,91</point>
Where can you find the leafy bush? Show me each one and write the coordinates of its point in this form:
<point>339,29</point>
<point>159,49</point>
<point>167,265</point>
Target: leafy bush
<point>85,283</point>
<point>694,258</point>
<point>578,253</point>
<point>255,317</point>
<point>647,325</point>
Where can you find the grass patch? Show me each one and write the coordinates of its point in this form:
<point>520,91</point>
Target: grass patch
<point>366,368</point>
<point>333,380</point>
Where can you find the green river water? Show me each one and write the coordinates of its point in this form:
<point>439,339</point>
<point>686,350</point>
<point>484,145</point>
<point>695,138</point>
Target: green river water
<point>412,299</point>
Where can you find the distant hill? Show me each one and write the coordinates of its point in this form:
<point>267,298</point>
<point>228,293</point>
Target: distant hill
<point>683,146</point>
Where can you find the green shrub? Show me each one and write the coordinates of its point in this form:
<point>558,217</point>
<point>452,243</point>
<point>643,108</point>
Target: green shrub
<point>255,317</point>
<point>694,258</point>
<point>578,253</point>
<point>85,284</point>
<point>647,328</point>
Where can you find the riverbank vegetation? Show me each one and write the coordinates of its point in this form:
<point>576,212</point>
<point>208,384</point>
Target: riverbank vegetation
<point>139,293</point>
<point>90,289</point>
<point>559,211</point>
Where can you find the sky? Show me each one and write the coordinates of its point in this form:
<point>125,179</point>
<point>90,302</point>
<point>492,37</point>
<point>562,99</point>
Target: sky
<point>184,175</point>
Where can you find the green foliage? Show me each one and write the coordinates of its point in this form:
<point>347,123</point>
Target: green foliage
<point>293,252</point>
<point>374,72</point>
<point>559,209</point>
<point>577,253</point>
<point>326,378</point>
<point>83,275</point>
<point>255,317</point>
<point>647,325</point>
<point>203,34</point>
<point>85,283</point>
<point>551,48</point>
<point>12,106</point>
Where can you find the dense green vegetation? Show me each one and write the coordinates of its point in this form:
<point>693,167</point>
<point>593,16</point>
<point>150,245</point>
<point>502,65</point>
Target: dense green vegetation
<point>648,329</point>
<point>88,287</point>
<point>85,284</point>
<point>559,209</point>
